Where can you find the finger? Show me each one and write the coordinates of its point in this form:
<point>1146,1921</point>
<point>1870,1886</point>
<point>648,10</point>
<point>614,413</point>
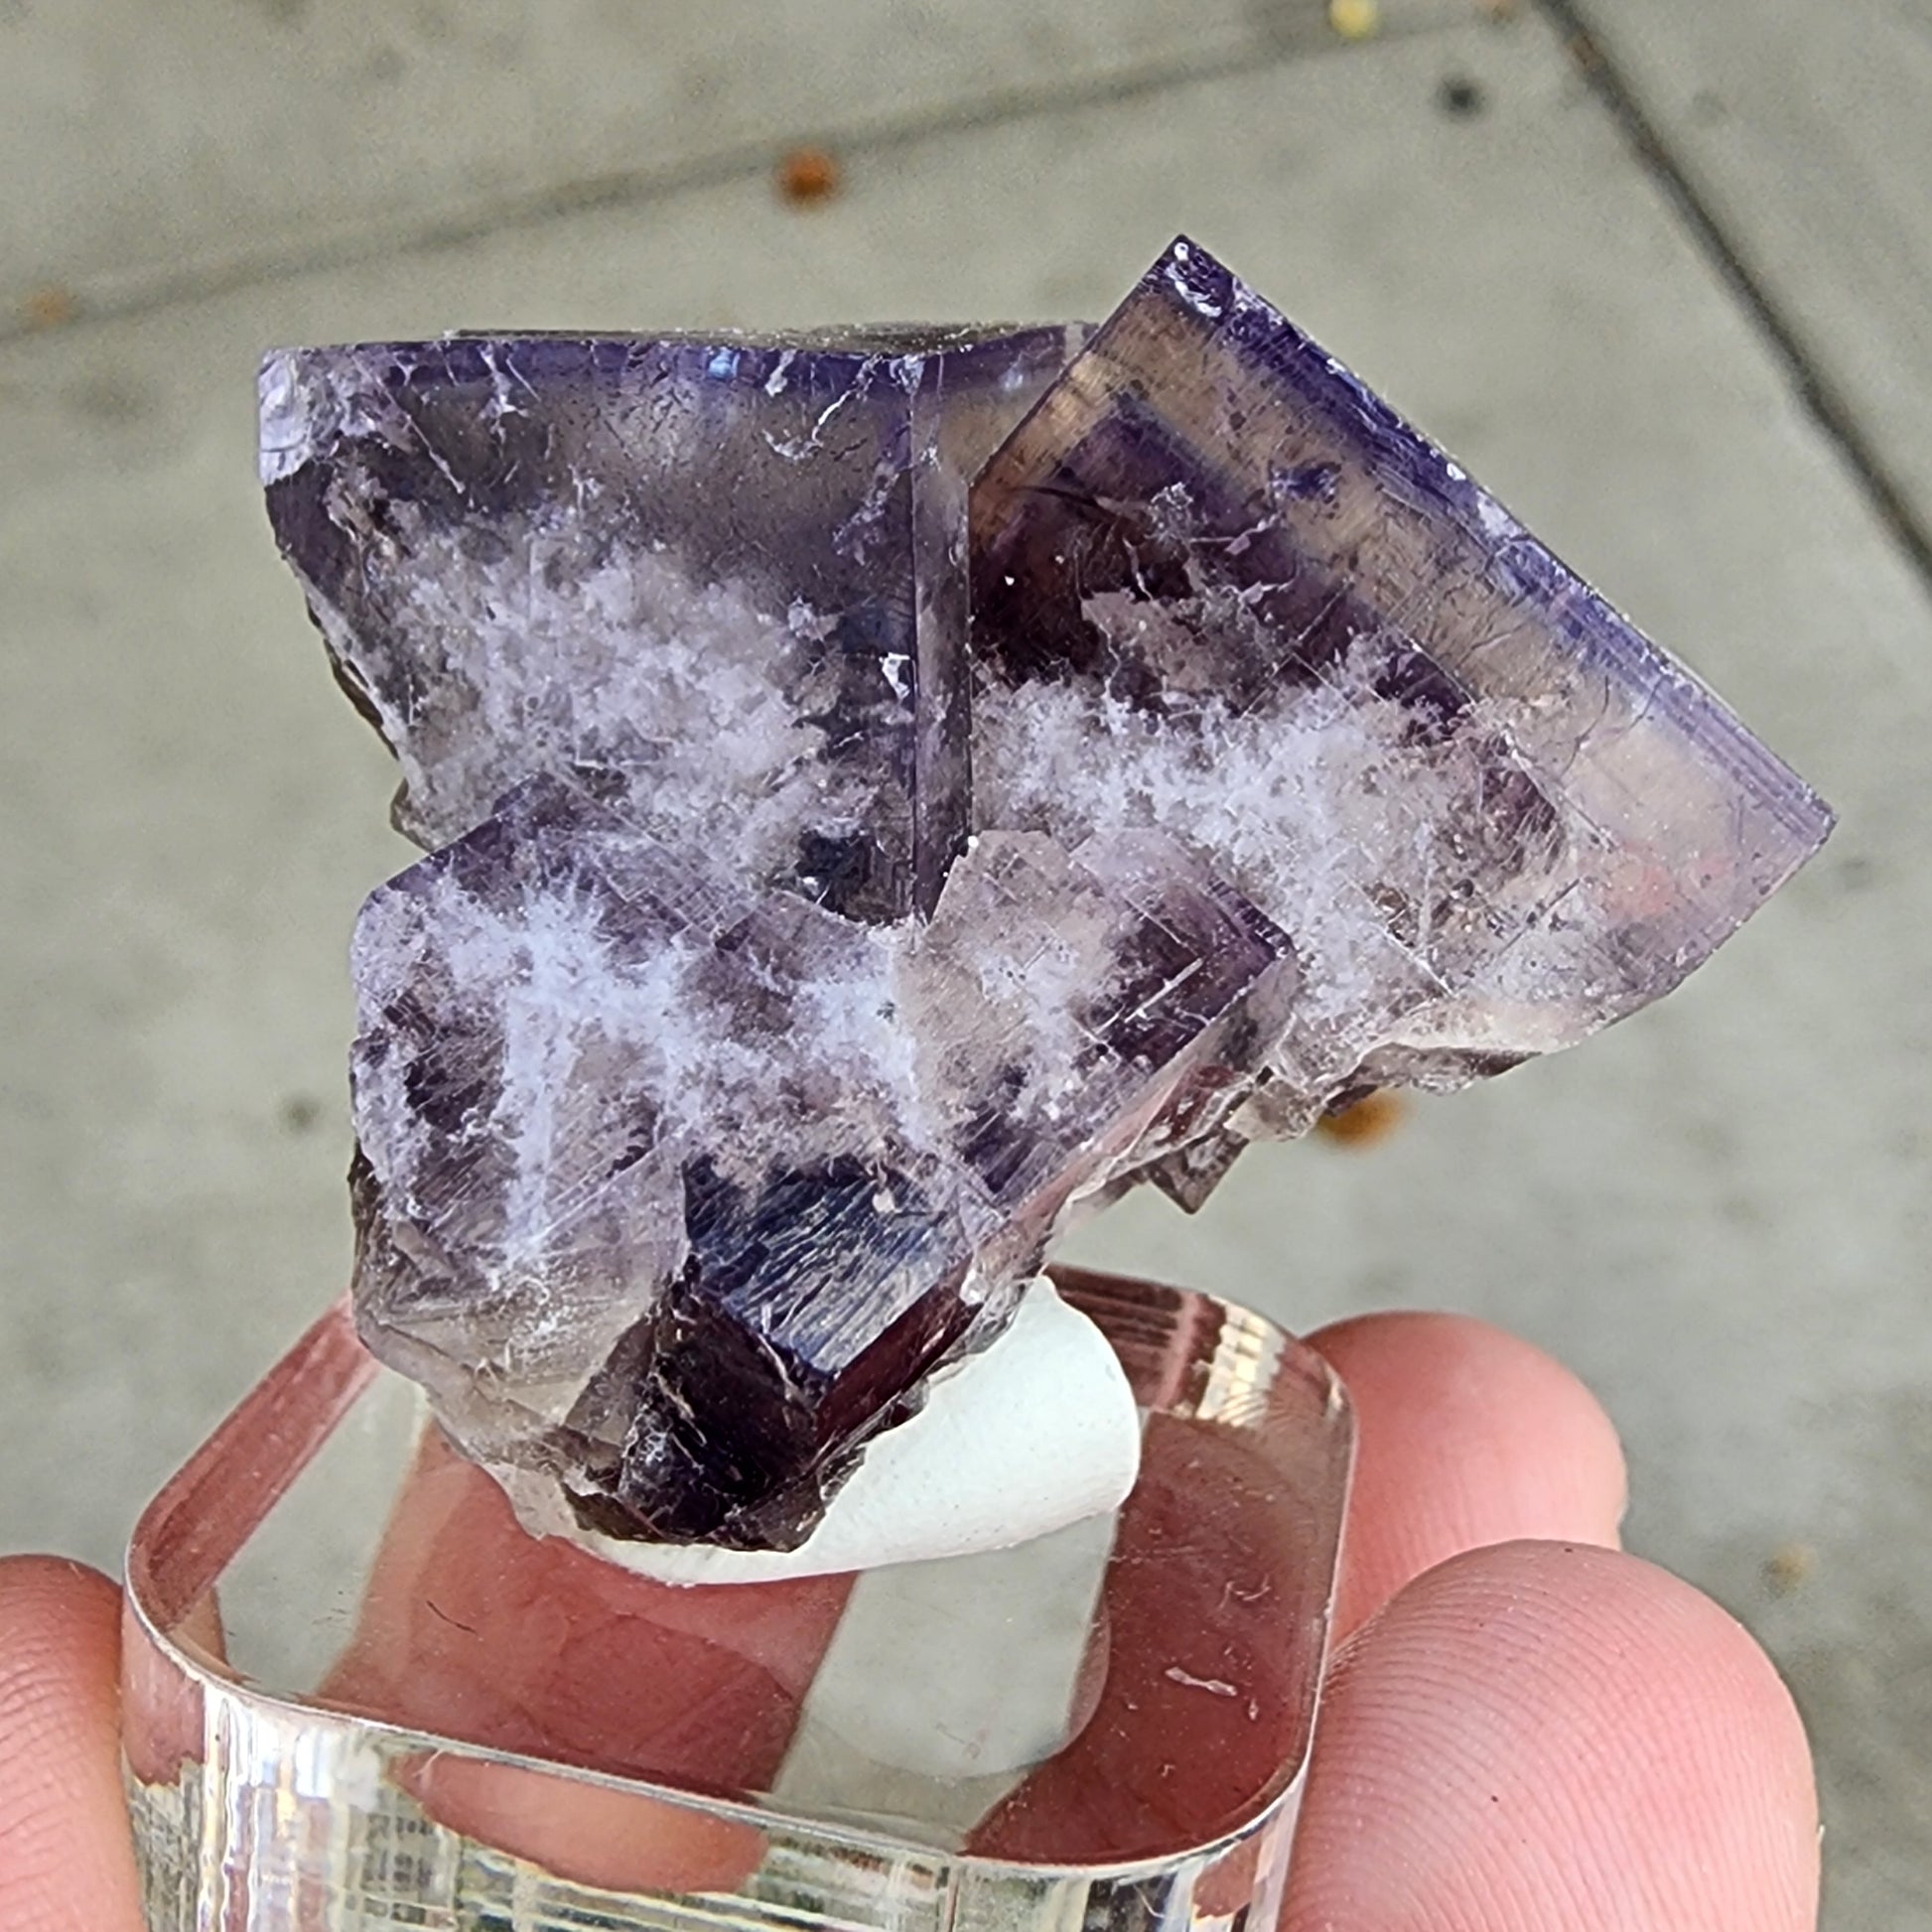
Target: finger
<point>1556,1736</point>
<point>67,1860</point>
<point>474,1628</point>
<point>1208,1616</point>
<point>590,1833</point>
<point>1465,1437</point>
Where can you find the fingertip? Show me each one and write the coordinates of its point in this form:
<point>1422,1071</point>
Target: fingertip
<point>590,1833</point>
<point>1558,1736</point>
<point>1466,1436</point>
<point>60,1657</point>
<point>58,1598</point>
<point>66,1856</point>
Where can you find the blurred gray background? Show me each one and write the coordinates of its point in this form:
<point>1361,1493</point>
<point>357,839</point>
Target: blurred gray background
<point>1661,274</point>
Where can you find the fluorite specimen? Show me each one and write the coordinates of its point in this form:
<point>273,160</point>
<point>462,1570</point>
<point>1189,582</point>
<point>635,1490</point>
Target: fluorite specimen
<point>893,786</point>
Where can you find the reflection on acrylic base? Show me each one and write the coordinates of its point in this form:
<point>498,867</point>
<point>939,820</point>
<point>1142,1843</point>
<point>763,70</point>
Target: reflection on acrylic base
<point>357,1694</point>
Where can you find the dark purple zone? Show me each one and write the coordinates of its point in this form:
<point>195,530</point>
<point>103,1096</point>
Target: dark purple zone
<point>755,1383</point>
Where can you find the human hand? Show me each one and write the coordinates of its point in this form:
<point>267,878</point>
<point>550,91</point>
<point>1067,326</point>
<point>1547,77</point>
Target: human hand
<point>1523,1727</point>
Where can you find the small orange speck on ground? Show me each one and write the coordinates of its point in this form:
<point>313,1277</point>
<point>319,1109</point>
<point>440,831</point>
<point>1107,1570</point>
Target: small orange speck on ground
<point>1355,20</point>
<point>1497,9</point>
<point>1787,1567</point>
<point>49,307</point>
<point>807,176</point>
<point>1372,1118</point>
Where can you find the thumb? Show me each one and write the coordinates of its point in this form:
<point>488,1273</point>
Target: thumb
<point>67,1860</point>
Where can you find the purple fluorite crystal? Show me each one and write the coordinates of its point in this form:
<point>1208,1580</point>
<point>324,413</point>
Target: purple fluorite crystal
<point>681,1190</point>
<point>894,785</point>
<point>1221,587</point>
<point>723,576</point>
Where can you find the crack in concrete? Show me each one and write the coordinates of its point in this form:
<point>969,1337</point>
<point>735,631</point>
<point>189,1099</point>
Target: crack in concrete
<point>1276,41</point>
<point>1834,414</point>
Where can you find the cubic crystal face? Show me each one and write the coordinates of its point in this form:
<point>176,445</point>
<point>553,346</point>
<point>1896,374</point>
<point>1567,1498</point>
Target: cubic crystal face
<point>721,575</point>
<point>893,786</point>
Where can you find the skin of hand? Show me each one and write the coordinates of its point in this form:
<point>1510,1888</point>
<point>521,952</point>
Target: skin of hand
<point>1523,1727</point>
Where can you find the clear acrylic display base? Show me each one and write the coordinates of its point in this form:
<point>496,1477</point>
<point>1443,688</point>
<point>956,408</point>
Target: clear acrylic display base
<point>356,1694</point>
